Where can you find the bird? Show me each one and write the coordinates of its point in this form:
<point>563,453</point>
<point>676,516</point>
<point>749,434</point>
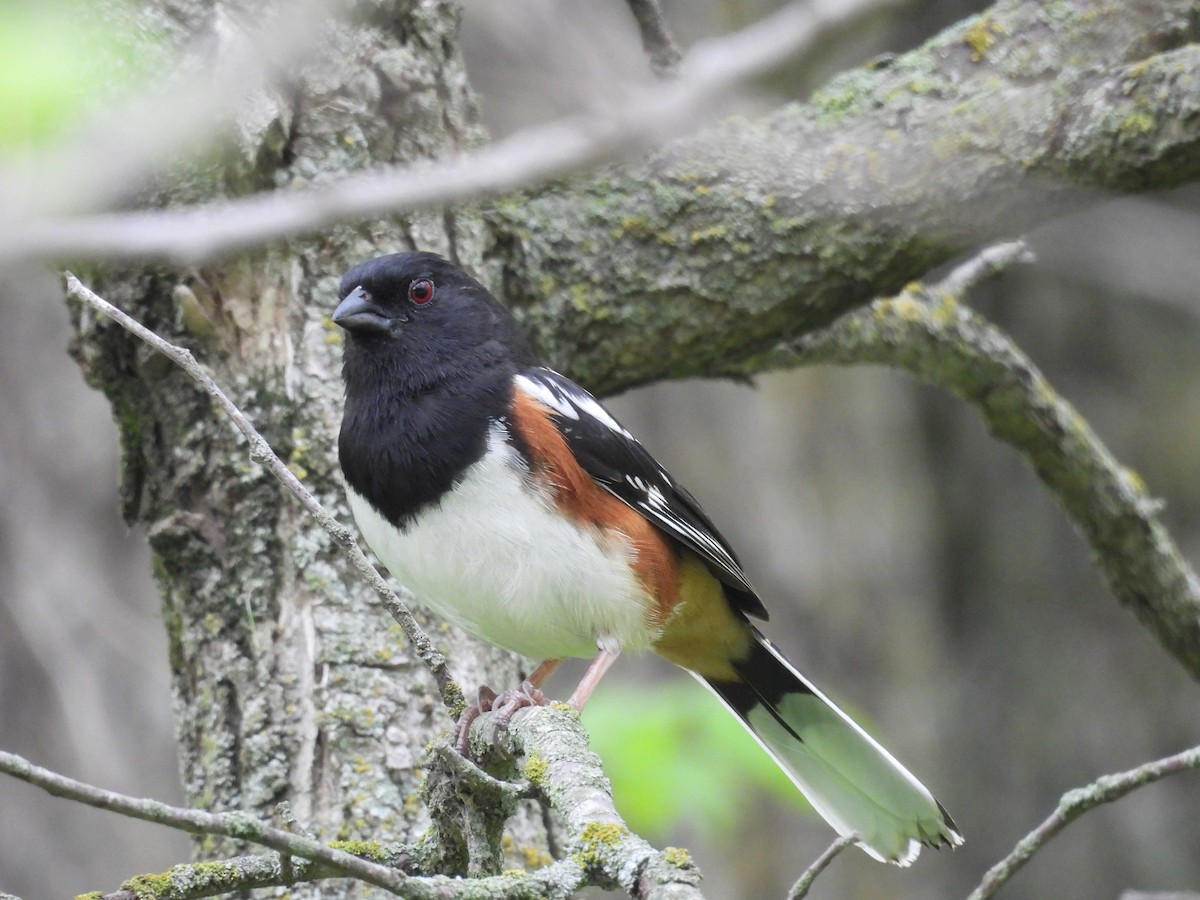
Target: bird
<point>513,504</point>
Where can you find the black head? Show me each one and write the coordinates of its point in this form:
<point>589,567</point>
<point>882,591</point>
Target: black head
<point>428,364</point>
<point>424,313</point>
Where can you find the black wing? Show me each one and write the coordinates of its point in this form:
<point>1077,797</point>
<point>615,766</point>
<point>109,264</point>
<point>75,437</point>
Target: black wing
<point>620,464</point>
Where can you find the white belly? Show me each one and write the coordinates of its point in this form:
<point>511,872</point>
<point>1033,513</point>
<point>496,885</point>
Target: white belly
<point>500,563</point>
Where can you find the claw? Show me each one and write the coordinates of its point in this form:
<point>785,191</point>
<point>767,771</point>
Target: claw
<point>506,705</point>
<point>484,700</point>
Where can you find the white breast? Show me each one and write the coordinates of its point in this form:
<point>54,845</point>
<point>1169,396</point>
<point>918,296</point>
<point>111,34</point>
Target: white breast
<point>495,559</point>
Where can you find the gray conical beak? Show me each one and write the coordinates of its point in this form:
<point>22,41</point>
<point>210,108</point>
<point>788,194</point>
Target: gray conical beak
<point>359,314</point>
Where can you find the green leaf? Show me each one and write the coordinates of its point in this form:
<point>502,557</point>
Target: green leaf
<point>675,754</point>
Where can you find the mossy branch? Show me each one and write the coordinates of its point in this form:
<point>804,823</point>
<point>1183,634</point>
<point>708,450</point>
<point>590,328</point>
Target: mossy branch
<point>553,746</point>
<point>928,332</point>
<point>697,260</point>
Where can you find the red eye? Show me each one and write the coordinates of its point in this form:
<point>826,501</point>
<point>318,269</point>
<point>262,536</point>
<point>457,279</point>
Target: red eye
<point>420,291</point>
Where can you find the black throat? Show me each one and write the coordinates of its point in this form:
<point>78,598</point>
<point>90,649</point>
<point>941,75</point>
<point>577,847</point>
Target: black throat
<point>406,439</point>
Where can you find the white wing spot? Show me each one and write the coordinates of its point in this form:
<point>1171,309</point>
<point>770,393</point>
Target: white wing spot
<point>569,400</point>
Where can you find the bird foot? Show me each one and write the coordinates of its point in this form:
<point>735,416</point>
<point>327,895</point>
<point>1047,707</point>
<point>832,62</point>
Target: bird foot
<point>504,705</point>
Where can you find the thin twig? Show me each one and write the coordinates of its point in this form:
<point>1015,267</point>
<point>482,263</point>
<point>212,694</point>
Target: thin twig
<point>987,263</point>
<point>664,53</point>
<point>805,882</point>
<point>468,771</point>
<point>518,162</point>
<point>261,452</point>
<point>1074,804</point>
<point>557,881</point>
<point>238,825</point>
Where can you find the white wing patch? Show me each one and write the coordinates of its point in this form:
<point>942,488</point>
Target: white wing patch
<point>568,401</point>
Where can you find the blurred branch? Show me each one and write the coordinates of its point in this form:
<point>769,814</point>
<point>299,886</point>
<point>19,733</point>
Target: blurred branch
<point>1074,804</point>
<point>929,333</point>
<point>656,37</point>
<point>805,882</point>
<point>119,149</point>
<point>531,156</point>
<point>238,825</point>
<point>261,452</point>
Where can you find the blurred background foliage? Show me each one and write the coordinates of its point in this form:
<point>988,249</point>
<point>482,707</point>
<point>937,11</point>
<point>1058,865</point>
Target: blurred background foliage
<point>913,566</point>
<point>60,60</point>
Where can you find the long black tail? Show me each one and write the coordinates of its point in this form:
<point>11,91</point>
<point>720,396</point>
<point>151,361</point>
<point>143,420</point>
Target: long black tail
<point>849,779</point>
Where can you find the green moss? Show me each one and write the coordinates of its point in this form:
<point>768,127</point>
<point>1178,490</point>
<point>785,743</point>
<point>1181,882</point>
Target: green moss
<point>584,299</point>
<point>535,857</point>
<point>372,850</point>
<point>1140,122</point>
<point>946,309</point>
<point>712,233</point>
<point>90,895</point>
<point>1135,481</point>
<point>1137,70</point>
<point>678,857</point>
<point>981,35</point>
<point>596,837</point>
<point>607,833</point>
<point>842,96</point>
<point>211,624</point>
<point>148,887</point>
<point>535,768</point>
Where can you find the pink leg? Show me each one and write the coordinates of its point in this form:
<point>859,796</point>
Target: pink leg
<point>591,678</point>
<point>544,670</point>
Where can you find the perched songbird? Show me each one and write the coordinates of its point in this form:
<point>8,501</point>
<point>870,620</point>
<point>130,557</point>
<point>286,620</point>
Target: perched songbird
<point>513,504</point>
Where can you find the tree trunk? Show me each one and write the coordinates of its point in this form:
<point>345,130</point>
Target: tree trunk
<point>291,681</point>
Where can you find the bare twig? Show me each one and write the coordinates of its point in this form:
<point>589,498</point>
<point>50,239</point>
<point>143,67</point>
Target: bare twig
<point>531,156</point>
<point>929,333</point>
<point>805,882</point>
<point>315,859</point>
<point>1074,804</point>
<point>261,452</point>
<point>238,825</point>
<point>987,263</point>
<point>656,37</point>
